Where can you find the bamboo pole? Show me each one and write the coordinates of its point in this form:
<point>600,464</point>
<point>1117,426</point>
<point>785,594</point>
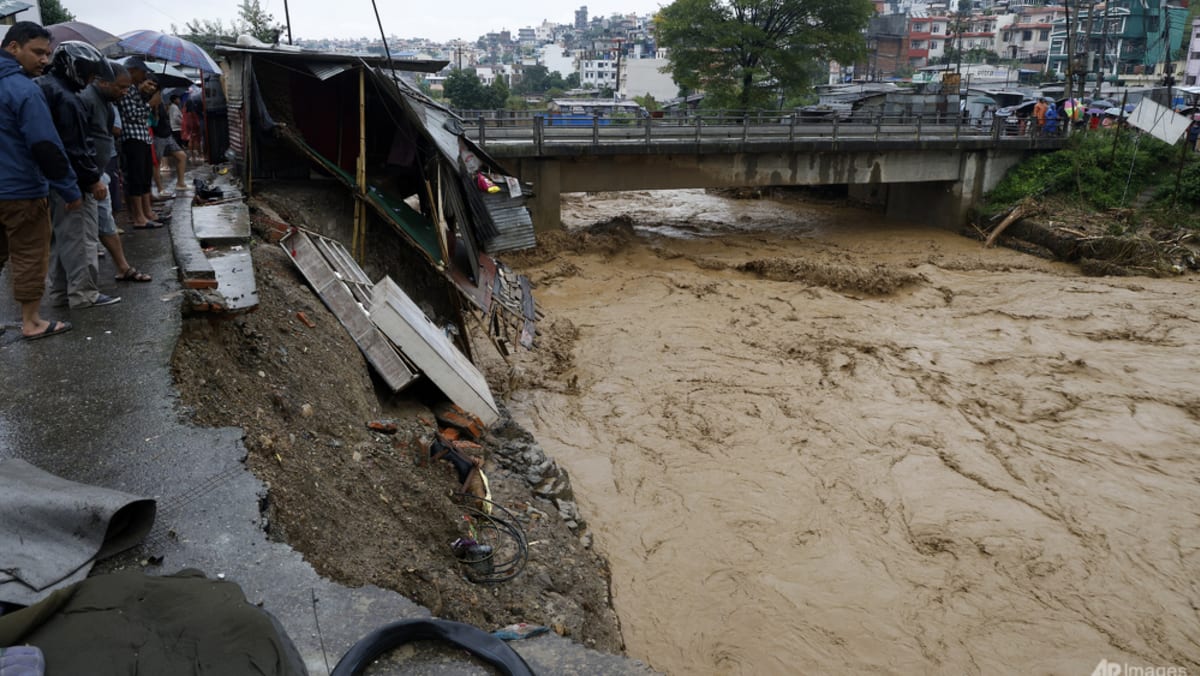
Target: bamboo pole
<point>360,178</point>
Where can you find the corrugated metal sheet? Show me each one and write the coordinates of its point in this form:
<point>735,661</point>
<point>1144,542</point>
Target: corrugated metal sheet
<point>435,124</point>
<point>513,222</point>
<point>325,70</point>
<point>235,107</point>
<point>10,7</point>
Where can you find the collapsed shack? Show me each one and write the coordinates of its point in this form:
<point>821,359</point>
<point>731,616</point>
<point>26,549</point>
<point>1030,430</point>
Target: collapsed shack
<point>409,169</point>
<point>369,488</point>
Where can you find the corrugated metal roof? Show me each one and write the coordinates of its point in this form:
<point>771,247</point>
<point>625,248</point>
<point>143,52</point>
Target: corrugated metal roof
<point>288,53</point>
<point>326,69</point>
<point>512,220</point>
<point>10,7</point>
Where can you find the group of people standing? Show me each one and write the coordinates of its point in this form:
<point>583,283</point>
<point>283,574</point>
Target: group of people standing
<point>68,118</point>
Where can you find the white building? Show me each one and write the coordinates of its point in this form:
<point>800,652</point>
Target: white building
<point>640,77</point>
<point>557,59</point>
<point>598,73</point>
<point>1191,72</point>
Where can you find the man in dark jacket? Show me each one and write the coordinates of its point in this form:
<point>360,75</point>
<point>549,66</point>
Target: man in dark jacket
<point>73,266</point>
<point>32,160</point>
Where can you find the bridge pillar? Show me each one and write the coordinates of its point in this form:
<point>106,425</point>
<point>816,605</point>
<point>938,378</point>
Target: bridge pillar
<point>946,204</point>
<point>546,206</point>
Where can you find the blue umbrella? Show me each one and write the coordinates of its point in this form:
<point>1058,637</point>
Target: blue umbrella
<point>169,48</point>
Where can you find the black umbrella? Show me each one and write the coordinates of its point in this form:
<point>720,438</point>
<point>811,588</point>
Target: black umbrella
<point>84,32</point>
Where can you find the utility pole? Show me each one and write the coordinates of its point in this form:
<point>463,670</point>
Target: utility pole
<point>1102,64</point>
<point>617,88</point>
<point>287,17</point>
<point>1070,49</point>
<point>1168,67</point>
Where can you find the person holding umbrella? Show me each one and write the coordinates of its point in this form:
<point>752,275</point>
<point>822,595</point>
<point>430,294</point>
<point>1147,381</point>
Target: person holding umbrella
<point>136,143</point>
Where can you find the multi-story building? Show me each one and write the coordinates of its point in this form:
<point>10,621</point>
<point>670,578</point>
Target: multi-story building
<point>927,36</point>
<point>973,32</point>
<point>1122,37</point>
<point>887,47</point>
<point>599,72</point>
<point>581,18</point>
<point>1027,37</point>
<point>1191,72</point>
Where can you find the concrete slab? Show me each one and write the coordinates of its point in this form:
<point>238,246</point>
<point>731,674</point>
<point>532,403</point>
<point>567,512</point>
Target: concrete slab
<point>227,223</point>
<point>193,264</point>
<point>235,279</point>
<point>97,405</point>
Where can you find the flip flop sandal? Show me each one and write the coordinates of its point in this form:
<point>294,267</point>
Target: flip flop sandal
<point>52,329</point>
<point>132,274</point>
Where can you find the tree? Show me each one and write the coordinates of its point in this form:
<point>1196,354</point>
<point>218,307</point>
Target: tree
<point>258,22</point>
<point>498,93</point>
<point>648,102</point>
<point>207,33</point>
<point>465,92</point>
<point>533,80</point>
<point>743,53</point>
<point>53,12</point>
<point>252,20</point>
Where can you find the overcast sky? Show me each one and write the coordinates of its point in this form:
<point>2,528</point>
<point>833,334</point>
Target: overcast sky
<point>439,20</point>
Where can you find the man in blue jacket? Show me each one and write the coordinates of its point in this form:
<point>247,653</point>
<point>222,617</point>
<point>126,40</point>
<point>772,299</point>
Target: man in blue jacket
<point>73,269</point>
<point>32,160</point>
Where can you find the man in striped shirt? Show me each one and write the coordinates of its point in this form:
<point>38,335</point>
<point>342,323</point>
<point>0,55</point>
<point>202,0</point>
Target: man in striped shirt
<point>136,144</point>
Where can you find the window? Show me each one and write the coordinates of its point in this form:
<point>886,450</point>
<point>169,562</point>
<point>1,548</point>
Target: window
<point>1044,35</point>
<point>918,28</point>
<point>1026,36</point>
<point>933,44</point>
<point>937,29</point>
<point>917,44</point>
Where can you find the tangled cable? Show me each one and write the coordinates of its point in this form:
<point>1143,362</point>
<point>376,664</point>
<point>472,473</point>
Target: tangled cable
<point>488,533</point>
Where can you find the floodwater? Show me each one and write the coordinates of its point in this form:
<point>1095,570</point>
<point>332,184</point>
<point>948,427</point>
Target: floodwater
<point>991,469</point>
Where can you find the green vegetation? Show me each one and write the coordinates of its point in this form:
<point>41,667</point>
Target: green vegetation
<point>53,12</point>
<point>749,54</point>
<point>1096,176</point>
<point>252,20</point>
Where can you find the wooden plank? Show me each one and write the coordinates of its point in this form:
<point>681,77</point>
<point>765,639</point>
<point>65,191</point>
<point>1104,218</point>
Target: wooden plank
<point>529,326</point>
<point>235,279</point>
<point>353,317</point>
<point>190,258</point>
<point>431,350</point>
<point>227,223</point>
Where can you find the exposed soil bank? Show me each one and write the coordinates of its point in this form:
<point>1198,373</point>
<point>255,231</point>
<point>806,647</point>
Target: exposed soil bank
<point>824,443</point>
<point>368,508</point>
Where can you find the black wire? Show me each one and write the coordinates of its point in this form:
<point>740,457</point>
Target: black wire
<point>505,570</point>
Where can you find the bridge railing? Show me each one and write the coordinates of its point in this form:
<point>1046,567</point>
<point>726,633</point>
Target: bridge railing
<point>544,130</point>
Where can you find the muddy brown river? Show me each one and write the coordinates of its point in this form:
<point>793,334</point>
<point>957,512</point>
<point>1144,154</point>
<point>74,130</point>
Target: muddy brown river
<point>812,441</point>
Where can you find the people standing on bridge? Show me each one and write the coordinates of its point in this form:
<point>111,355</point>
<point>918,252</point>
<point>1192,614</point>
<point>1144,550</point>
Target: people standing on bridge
<point>1051,124</point>
<point>73,266</point>
<point>32,161</point>
<point>1039,116</point>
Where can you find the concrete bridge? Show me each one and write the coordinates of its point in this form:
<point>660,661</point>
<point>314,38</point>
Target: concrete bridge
<point>919,169</point>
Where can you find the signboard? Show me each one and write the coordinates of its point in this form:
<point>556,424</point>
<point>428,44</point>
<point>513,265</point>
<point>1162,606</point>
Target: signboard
<point>1159,121</point>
